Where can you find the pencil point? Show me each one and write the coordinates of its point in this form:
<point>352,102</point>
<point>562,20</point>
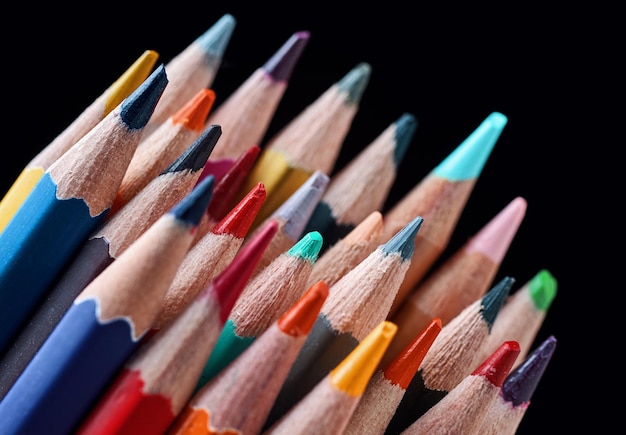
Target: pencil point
<point>404,240</point>
<point>300,318</point>
<point>368,229</point>
<point>215,40</point>
<point>308,247</point>
<point>196,155</point>
<point>469,158</point>
<point>543,289</point>
<point>520,384</point>
<point>137,108</point>
<point>239,220</point>
<point>238,272</point>
<point>494,299</point>
<point>281,65</point>
<point>355,82</point>
<point>494,239</point>
<point>193,206</point>
<point>354,372</point>
<point>496,367</point>
<point>193,114</point>
<point>131,79</point>
<point>405,130</point>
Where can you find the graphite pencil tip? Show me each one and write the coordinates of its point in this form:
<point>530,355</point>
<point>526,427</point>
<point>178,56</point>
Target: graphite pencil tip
<point>193,206</point>
<point>494,299</point>
<point>239,220</point>
<point>194,113</point>
<point>137,108</point>
<point>468,159</point>
<point>215,40</point>
<point>497,366</point>
<point>131,79</point>
<point>520,384</point>
<point>406,126</point>
<point>299,319</point>
<point>404,240</point>
<point>542,289</point>
<point>355,82</point>
<point>281,65</point>
<point>196,155</point>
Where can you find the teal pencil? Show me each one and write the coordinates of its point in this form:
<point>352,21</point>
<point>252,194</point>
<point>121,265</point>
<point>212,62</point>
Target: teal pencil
<point>70,200</point>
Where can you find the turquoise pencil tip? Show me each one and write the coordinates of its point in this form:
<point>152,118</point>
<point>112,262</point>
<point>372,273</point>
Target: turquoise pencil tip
<point>308,247</point>
<point>355,82</point>
<point>138,107</point>
<point>215,40</point>
<point>193,206</point>
<point>281,65</point>
<point>404,240</point>
<point>494,299</point>
<point>469,158</point>
<point>406,126</point>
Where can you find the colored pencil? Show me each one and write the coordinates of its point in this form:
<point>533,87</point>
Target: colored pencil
<point>508,409</point>
<point>69,201</point>
<point>158,150</point>
<point>523,314</point>
<point>103,327</point>
<point>266,297</point>
<point>349,251</point>
<point>209,256</point>
<point>92,115</point>
<point>440,198</point>
<point>226,190</point>
<point>451,357</point>
<point>362,186</point>
<point>292,217</point>
<point>460,279</point>
<point>248,111</point>
<point>193,69</point>
<point>387,386</point>
<point>357,303</point>
<point>102,247</point>
<point>239,398</point>
<point>159,378</point>
<point>328,407</point>
<point>309,142</point>
<point>463,410</point>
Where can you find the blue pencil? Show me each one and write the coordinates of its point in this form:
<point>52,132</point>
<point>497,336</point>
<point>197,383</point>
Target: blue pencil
<point>103,326</point>
<point>69,201</point>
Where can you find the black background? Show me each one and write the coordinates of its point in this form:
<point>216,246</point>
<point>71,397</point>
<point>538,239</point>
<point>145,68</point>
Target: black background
<point>546,68</point>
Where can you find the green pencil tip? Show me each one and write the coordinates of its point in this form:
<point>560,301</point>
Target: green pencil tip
<point>542,289</point>
<point>355,82</point>
<point>308,247</point>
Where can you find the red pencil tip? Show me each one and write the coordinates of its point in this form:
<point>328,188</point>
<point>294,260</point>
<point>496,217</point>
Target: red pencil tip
<point>240,218</point>
<point>497,366</point>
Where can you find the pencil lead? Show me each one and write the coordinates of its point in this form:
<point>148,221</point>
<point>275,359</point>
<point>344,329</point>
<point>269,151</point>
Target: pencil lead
<point>299,319</point>
<point>405,130</point>
<point>215,40</point>
<point>367,229</point>
<point>194,113</point>
<point>520,384</point>
<point>496,368</point>
<point>237,274</point>
<point>238,221</point>
<point>137,108</point>
<point>469,158</point>
<point>495,298</point>
<point>404,240</point>
<point>297,209</point>
<point>354,372</point>
<point>281,65</point>
<point>543,289</point>
<point>196,155</point>
<point>191,208</point>
<point>307,247</point>
<point>130,80</point>
<point>355,82</point>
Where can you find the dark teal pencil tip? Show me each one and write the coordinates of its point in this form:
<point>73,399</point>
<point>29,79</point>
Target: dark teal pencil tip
<point>403,241</point>
<point>520,384</point>
<point>137,108</point>
<point>406,126</point>
<point>494,299</point>
<point>195,156</point>
<point>281,65</point>
<point>215,40</point>
<point>355,82</point>
<point>193,206</point>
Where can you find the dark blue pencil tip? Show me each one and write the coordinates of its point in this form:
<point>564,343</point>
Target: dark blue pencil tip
<point>193,206</point>
<point>404,240</point>
<point>137,108</point>
<point>494,299</point>
<point>281,65</point>
<point>405,130</point>
<point>195,156</point>
<point>520,384</point>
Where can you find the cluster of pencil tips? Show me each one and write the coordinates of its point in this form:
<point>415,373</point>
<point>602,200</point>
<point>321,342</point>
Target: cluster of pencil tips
<point>160,272</point>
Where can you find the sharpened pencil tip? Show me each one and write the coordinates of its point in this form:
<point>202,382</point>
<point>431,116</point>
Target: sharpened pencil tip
<point>300,318</point>
<point>281,65</point>
<point>196,154</point>
<point>130,80</point>
<point>138,107</point>
<point>497,366</point>
<point>194,113</point>
<point>406,126</point>
<point>542,289</point>
<point>494,299</point>
<point>355,82</point>
<point>239,220</point>
<point>404,240</point>
<point>215,40</point>
<point>193,206</point>
<point>308,247</point>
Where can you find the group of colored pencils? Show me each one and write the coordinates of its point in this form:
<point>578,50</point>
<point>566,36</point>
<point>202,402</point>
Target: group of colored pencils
<point>164,269</point>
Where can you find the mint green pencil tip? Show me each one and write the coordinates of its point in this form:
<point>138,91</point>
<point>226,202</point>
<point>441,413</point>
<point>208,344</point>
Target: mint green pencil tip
<point>308,247</point>
<point>542,289</point>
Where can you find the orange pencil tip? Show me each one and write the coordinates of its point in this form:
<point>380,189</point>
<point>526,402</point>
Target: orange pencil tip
<point>299,319</point>
<point>193,114</point>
